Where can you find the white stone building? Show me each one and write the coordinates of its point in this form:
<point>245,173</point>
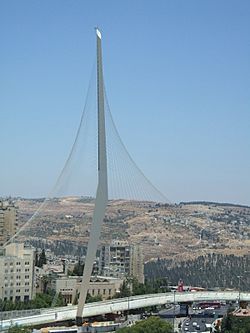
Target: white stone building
<point>17,273</point>
<point>69,287</point>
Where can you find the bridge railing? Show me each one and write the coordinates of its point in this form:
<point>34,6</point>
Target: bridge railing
<point>19,313</point>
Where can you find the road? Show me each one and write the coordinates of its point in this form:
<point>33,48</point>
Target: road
<point>170,312</point>
<point>197,323</point>
<point>123,304</point>
<point>201,317</point>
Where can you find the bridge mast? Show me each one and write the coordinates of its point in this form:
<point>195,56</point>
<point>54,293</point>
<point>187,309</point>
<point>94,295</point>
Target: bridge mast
<point>102,188</point>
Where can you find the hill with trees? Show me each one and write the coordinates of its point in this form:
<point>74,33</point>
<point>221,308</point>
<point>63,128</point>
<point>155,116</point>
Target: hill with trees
<point>210,271</point>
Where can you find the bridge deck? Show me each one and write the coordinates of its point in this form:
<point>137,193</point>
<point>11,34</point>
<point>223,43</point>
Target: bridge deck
<point>123,304</point>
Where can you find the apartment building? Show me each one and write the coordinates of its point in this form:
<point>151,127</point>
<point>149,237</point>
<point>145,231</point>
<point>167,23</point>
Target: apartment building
<point>121,259</point>
<point>137,263</point>
<point>17,273</point>
<point>8,220</point>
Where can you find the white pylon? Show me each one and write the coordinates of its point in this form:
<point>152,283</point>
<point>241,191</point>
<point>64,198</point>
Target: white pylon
<point>102,188</point>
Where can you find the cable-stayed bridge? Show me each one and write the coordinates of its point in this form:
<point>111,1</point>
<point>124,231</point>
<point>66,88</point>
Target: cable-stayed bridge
<point>100,166</point>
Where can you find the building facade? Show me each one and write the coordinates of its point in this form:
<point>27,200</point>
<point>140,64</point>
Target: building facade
<point>17,273</point>
<point>137,263</point>
<point>69,287</point>
<point>121,260</point>
<point>8,220</point>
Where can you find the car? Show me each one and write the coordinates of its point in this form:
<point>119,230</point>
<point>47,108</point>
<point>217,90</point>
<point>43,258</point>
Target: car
<point>194,323</point>
<point>186,329</point>
<point>187,323</point>
<point>198,327</point>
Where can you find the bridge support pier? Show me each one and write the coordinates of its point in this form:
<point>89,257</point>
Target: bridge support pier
<point>243,304</point>
<point>79,321</point>
<point>184,308</point>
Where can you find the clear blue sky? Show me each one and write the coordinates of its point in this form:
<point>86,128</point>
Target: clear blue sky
<point>178,82</point>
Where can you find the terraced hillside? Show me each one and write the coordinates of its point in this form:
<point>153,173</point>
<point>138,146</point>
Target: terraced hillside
<point>183,231</point>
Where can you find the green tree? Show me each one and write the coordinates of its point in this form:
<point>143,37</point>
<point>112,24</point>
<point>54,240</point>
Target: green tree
<point>150,325</point>
<point>77,270</point>
<point>42,301</point>
<point>138,288</point>
<point>42,259</point>
<point>233,324</point>
<point>59,300</point>
<point>124,290</point>
<point>36,258</point>
<point>18,329</point>
<point>46,280</point>
<point>91,299</point>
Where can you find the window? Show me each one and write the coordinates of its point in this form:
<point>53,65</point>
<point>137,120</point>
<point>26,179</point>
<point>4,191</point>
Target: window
<point>98,291</point>
<point>27,276</point>
<point>18,263</point>
<point>26,290</point>
<point>104,291</point>
<point>18,283</point>
<point>18,290</point>
<point>109,291</point>
<point>27,283</point>
<point>27,269</point>
<point>93,292</point>
<point>27,263</point>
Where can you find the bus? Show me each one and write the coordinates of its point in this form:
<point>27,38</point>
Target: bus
<point>207,304</point>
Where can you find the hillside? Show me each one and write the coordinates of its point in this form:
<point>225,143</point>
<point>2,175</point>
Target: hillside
<point>183,231</point>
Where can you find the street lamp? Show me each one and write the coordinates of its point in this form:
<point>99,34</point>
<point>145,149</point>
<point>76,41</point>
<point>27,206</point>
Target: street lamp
<point>130,286</point>
<point>239,277</point>
<point>2,309</point>
<point>128,308</point>
<point>174,311</point>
